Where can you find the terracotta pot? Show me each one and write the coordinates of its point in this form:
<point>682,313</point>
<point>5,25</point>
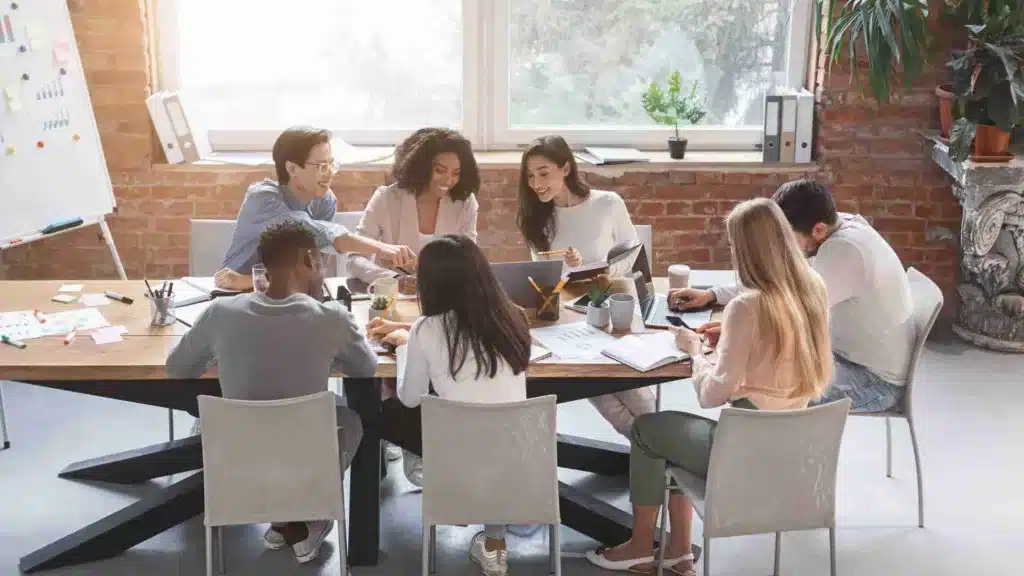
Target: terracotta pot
<point>991,142</point>
<point>945,95</point>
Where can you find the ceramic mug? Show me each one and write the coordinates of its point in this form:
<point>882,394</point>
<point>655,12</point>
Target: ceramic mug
<point>386,287</point>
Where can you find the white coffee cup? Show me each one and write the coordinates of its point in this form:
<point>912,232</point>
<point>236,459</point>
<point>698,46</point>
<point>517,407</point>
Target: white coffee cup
<point>678,276</point>
<point>386,286</point>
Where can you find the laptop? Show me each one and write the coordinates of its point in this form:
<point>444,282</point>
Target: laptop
<point>514,277</point>
<point>656,313</point>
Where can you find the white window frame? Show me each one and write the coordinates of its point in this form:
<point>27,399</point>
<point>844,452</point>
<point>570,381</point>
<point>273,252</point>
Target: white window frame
<point>485,67</point>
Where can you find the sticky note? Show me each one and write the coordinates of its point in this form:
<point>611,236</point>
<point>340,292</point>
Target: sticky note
<point>71,288</point>
<point>61,51</point>
<point>108,335</point>
<point>12,98</point>
<point>95,300</point>
<point>64,298</point>
<point>37,38</point>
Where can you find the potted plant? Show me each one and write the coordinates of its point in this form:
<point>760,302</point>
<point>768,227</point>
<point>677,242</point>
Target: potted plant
<point>378,307</point>
<point>988,87</point>
<point>598,311</point>
<point>673,107</point>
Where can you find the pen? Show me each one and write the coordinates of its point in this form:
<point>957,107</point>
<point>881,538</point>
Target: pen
<point>118,297</point>
<point>170,288</point>
<point>70,336</point>
<point>39,317</point>
<point>552,252</point>
<point>149,288</point>
<point>8,340</point>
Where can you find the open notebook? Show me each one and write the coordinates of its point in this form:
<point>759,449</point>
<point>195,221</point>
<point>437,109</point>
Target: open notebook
<point>645,352</point>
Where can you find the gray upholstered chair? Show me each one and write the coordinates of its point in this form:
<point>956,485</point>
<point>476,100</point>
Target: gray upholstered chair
<point>250,465</point>
<point>770,471</point>
<point>927,298</point>
<point>208,242</point>
<point>467,481</point>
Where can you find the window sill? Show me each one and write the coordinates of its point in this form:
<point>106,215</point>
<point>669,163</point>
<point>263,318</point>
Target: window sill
<point>373,159</point>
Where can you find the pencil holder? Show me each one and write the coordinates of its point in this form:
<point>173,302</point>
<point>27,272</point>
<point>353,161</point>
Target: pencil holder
<point>548,304</point>
<point>161,312</point>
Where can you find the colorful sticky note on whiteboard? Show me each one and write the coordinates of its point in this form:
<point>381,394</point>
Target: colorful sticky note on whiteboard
<point>37,36</point>
<point>61,51</point>
<point>12,98</point>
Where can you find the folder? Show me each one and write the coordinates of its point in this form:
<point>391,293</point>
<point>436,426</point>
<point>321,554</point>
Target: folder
<point>787,148</point>
<point>772,120</point>
<point>804,126</point>
<point>176,136</point>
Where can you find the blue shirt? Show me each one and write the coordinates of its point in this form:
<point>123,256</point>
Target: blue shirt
<point>267,203</point>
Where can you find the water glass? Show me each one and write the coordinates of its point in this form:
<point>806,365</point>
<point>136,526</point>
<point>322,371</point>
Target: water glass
<point>260,281</point>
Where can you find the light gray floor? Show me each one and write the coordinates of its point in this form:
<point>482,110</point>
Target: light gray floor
<point>971,433</point>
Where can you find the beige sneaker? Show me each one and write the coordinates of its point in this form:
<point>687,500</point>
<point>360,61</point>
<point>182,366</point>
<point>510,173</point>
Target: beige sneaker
<point>493,562</point>
<point>413,466</point>
<point>307,550</point>
<point>273,540</point>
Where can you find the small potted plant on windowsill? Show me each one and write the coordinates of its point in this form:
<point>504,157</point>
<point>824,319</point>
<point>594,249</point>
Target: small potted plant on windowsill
<point>598,311</point>
<point>378,307</point>
<point>672,107</point>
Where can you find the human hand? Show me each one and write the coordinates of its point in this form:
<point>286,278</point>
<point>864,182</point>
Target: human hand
<point>712,331</point>
<point>407,284</point>
<point>378,328</point>
<point>687,340</point>
<point>228,279</point>
<point>397,256</point>
<point>573,257</point>
<point>687,298</point>
<point>397,338</point>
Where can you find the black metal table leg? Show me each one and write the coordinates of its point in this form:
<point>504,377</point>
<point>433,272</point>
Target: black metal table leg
<point>363,396</point>
<point>139,465</point>
<point>123,529</point>
<point>588,455</point>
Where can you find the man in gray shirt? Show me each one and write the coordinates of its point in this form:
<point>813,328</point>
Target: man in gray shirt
<point>305,166</point>
<point>281,344</point>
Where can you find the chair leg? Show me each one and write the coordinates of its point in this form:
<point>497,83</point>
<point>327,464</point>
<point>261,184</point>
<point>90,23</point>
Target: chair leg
<point>920,484</point>
<point>556,550</point>
<point>209,551</point>
<point>707,555</point>
<point>221,564</point>
<point>426,550</point>
<point>433,549</point>
<point>778,552</point>
<point>664,525</point>
<point>888,448</point>
<point>832,549</point>
<point>170,425</point>
<point>4,440</point>
<point>343,541</point>
<point>657,398</point>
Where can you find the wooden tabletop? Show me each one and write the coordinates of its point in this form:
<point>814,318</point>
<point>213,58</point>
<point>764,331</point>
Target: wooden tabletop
<point>143,351</point>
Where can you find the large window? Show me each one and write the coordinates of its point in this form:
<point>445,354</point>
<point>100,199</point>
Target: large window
<point>503,71</point>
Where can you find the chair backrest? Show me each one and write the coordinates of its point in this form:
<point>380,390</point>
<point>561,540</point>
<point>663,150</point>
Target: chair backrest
<point>490,463</point>
<point>208,243</point>
<point>646,234</point>
<point>271,461</point>
<point>927,299</point>
<point>774,470</point>
<point>349,220</point>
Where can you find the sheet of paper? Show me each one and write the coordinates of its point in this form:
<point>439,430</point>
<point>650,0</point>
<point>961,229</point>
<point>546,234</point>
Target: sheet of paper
<point>20,325</point>
<point>61,323</point>
<point>64,298</point>
<point>578,340</point>
<point>12,99</point>
<point>71,288</point>
<point>94,300</point>
<point>538,353</point>
<point>108,335</point>
<point>189,314</point>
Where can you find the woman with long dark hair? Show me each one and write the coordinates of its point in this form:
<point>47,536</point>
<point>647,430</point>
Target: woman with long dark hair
<point>558,211</point>
<point>472,344</point>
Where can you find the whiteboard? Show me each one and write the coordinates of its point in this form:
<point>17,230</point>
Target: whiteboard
<point>52,167</point>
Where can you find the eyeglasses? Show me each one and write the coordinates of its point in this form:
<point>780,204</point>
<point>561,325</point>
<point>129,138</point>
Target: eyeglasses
<point>325,168</point>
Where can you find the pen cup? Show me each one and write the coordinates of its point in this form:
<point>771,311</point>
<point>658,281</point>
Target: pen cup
<point>548,304</point>
<point>161,312</point>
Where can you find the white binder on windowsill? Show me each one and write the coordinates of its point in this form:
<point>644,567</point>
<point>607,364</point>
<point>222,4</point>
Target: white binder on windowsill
<point>180,142</point>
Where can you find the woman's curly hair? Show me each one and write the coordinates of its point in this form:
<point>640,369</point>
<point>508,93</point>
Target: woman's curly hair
<point>414,161</point>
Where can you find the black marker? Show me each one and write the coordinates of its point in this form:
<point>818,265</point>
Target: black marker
<point>118,297</point>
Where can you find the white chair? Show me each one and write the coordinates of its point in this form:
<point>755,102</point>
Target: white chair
<point>349,220</point>
<point>5,441</point>
<point>927,299</point>
<point>770,471</point>
<point>646,234</point>
<point>467,480</point>
<point>253,473</point>
<point>208,242</point>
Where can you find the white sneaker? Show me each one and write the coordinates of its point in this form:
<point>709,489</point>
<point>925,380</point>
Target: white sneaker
<point>195,428</point>
<point>392,452</point>
<point>494,562</point>
<point>273,540</point>
<point>310,547</point>
<point>413,466</point>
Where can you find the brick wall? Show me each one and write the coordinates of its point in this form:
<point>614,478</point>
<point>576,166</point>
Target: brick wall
<point>869,154</point>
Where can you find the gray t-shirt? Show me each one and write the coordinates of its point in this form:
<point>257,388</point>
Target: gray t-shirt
<point>270,349</point>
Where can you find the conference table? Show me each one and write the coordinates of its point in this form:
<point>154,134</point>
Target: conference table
<point>132,370</point>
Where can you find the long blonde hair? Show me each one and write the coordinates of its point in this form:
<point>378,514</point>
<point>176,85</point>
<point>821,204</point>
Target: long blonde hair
<point>793,305</point>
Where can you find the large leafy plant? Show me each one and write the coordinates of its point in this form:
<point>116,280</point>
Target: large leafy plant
<point>892,36</point>
<point>672,107</point>
<point>988,78</point>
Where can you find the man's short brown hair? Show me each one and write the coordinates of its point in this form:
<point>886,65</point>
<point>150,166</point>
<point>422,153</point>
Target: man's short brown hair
<point>293,145</point>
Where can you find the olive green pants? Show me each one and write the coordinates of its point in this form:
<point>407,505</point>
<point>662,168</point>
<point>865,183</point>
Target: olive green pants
<point>678,438</point>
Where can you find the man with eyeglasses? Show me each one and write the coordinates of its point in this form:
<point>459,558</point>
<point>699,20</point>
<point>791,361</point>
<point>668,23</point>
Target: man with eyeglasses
<point>304,164</point>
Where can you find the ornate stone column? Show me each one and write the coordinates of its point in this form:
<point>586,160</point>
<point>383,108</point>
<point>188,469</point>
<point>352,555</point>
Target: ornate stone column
<point>991,288</point>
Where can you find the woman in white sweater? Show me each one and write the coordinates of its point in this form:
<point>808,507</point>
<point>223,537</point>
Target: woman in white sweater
<point>472,344</point>
<point>436,180</point>
<point>558,211</point>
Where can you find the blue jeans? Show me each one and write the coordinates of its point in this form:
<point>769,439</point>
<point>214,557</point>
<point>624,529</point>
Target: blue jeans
<point>868,391</point>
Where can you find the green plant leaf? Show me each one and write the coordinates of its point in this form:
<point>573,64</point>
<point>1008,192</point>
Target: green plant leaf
<point>961,138</point>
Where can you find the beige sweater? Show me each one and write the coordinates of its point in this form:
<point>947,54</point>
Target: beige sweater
<point>391,217</point>
<point>741,368</point>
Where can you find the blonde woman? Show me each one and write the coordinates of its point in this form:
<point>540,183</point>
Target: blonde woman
<point>773,354</point>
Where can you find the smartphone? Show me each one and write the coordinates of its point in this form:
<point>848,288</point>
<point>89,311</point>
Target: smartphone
<point>676,321</point>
